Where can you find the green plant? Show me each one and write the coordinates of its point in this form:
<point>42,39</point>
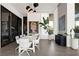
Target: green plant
<point>76,29</point>
<point>45,25</point>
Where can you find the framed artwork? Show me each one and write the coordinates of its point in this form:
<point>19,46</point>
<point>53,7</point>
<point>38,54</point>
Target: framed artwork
<point>33,27</point>
<point>62,23</point>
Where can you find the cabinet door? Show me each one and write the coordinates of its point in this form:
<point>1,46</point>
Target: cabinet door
<point>4,27</point>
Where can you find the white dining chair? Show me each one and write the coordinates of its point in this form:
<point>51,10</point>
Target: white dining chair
<point>21,36</point>
<point>36,41</point>
<point>33,39</point>
<point>24,45</point>
<point>17,41</point>
<point>24,35</point>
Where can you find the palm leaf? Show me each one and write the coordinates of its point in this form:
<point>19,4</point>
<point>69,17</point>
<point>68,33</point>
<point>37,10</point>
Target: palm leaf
<point>47,20</point>
<point>44,20</point>
<point>42,24</point>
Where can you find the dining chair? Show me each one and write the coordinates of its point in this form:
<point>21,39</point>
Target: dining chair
<point>21,36</point>
<point>24,45</point>
<point>31,38</point>
<point>36,41</point>
<point>24,35</point>
<point>17,41</point>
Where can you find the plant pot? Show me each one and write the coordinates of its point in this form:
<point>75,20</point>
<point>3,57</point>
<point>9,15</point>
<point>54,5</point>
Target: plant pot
<point>49,37</point>
<point>75,43</point>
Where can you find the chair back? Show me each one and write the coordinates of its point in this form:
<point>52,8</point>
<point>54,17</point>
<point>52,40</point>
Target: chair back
<point>24,35</point>
<point>35,36</point>
<point>24,43</point>
<point>21,36</point>
<point>37,39</point>
<point>17,39</point>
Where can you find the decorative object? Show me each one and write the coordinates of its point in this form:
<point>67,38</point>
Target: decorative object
<point>33,27</point>
<point>75,43</point>
<point>62,23</point>
<point>74,39</point>
<point>28,8</point>
<point>76,30</point>
<point>35,5</point>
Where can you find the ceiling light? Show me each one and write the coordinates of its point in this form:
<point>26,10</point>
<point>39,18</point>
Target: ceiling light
<point>27,7</point>
<point>31,9</point>
<point>35,5</point>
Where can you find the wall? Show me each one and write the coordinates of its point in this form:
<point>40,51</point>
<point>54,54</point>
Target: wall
<point>62,10</point>
<point>70,20</point>
<point>55,21</point>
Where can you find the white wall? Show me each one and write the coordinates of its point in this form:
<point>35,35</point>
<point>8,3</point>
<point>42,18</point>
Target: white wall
<point>70,20</point>
<point>55,21</point>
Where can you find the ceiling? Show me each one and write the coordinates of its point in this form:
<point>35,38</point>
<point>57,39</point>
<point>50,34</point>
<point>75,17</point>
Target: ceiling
<point>42,8</point>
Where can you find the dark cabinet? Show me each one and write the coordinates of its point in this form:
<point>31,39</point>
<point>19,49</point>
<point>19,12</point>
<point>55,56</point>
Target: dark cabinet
<point>10,26</point>
<point>4,26</point>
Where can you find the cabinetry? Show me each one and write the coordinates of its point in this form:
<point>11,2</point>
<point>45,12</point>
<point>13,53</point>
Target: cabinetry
<point>10,26</point>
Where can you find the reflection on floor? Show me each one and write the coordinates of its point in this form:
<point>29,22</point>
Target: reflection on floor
<point>47,48</point>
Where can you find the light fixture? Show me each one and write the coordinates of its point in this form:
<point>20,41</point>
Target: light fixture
<point>35,5</point>
<point>28,8</point>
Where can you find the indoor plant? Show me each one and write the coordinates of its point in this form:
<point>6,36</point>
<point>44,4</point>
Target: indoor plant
<point>75,37</point>
<point>76,30</point>
<point>45,25</point>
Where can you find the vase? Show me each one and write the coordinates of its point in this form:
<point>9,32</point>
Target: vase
<point>49,37</point>
<point>75,43</point>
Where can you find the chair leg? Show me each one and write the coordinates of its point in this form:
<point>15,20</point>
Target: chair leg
<point>21,53</point>
<point>34,50</point>
<point>17,48</point>
<point>37,47</point>
<point>28,53</point>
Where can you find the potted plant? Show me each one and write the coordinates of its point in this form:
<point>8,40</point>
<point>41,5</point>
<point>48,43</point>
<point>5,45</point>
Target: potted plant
<point>45,25</point>
<point>50,32</point>
<point>75,37</point>
<point>76,30</point>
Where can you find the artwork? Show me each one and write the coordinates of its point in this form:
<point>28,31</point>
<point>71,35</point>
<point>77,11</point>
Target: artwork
<point>62,23</point>
<point>33,27</point>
